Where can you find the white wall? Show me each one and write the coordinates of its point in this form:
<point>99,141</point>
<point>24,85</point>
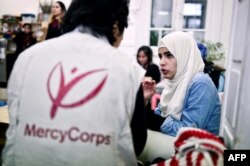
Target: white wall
<point>218,21</point>
<point>16,7</point>
<point>137,33</point>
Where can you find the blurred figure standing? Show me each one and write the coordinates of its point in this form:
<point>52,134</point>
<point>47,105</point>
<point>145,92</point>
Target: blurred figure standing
<point>24,38</point>
<point>58,11</point>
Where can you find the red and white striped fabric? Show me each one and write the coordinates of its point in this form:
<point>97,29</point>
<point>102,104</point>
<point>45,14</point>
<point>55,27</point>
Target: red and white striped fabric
<point>196,147</point>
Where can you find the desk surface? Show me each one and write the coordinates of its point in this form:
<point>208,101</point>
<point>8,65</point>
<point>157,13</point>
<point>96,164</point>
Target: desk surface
<point>4,115</point>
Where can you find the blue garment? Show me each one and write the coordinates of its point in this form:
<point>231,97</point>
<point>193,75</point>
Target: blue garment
<point>221,82</point>
<point>203,50</point>
<point>2,103</point>
<point>202,108</point>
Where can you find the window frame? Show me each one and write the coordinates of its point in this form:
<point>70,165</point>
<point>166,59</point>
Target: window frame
<point>176,22</point>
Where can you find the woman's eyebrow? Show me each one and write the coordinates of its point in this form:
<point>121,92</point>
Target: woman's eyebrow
<point>167,52</point>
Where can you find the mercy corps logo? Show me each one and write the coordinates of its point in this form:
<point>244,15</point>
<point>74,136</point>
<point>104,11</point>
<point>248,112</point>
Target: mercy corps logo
<point>64,88</point>
<point>72,134</point>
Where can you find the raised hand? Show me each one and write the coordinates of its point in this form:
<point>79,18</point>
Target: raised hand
<point>149,86</point>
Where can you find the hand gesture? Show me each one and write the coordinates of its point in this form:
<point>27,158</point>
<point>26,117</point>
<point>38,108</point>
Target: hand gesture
<point>148,86</point>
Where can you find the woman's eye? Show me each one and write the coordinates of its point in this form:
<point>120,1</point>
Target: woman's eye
<point>169,54</point>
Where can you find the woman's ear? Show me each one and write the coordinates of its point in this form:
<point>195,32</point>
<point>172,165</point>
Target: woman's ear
<point>115,28</point>
<point>118,36</point>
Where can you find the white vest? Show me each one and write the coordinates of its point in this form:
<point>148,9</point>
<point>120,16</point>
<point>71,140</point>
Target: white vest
<point>71,100</point>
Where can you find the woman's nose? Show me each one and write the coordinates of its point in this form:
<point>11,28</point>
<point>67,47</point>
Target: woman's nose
<point>161,62</point>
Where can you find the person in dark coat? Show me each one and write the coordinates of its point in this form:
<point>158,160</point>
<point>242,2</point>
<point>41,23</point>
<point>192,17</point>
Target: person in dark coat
<point>24,38</point>
<point>57,13</point>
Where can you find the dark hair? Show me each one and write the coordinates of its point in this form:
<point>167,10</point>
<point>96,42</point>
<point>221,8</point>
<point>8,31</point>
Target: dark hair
<point>148,52</point>
<point>98,15</point>
<point>27,24</point>
<point>61,4</point>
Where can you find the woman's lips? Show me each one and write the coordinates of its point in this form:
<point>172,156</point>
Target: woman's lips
<point>164,71</point>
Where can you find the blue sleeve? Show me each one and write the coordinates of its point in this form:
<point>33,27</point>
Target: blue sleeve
<point>197,109</point>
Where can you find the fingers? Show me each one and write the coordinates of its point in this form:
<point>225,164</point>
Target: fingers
<point>149,87</point>
<point>148,81</point>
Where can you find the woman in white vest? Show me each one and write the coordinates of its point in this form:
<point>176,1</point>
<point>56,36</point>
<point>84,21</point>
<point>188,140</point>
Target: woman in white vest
<point>76,100</point>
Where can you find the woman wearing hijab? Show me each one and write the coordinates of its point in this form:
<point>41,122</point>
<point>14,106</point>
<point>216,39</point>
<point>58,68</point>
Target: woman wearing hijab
<point>189,98</point>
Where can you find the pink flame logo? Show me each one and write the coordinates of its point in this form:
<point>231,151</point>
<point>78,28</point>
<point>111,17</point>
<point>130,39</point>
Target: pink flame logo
<point>65,88</point>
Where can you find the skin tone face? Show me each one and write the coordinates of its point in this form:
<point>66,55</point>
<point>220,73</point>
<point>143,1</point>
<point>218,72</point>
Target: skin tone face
<point>56,10</point>
<point>168,63</point>
<point>26,29</point>
<point>142,58</point>
<point>117,35</point>
<point>118,41</point>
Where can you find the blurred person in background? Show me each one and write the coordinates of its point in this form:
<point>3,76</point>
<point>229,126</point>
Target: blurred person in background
<point>144,58</point>
<point>58,11</point>
<point>24,39</point>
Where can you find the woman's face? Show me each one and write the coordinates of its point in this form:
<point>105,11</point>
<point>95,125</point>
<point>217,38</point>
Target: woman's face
<point>118,40</point>
<point>142,58</point>
<point>26,29</point>
<point>117,35</point>
<point>56,9</point>
<point>168,63</point>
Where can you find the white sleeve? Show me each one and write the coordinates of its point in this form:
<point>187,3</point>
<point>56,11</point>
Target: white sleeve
<point>14,88</point>
<point>137,73</point>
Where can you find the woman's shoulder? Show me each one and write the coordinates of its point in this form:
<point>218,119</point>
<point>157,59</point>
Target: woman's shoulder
<point>201,77</point>
<point>202,85</point>
<point>153,65</point>
<point>203,80</point>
